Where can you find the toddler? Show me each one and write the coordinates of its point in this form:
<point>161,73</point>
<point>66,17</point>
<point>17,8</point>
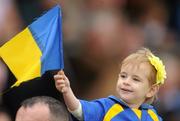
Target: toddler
<point>141,75</point>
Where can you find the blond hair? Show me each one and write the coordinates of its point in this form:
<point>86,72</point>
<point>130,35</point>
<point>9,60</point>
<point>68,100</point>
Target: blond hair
<point>141,56</point>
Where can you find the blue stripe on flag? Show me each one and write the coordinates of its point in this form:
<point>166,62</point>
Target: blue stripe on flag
<point>47,32</point>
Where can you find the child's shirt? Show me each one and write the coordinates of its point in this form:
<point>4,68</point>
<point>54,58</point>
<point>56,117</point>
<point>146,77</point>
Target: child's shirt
<point>114,109</point>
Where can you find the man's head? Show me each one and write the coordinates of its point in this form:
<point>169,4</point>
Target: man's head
<point>42,108</point>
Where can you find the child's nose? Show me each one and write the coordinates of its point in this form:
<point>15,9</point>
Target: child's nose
<point>127,81</point>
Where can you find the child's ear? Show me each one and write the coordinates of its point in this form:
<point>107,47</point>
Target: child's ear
<point>153,91</point>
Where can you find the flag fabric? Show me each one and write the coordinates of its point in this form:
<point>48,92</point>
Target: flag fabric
<point>37,49</point>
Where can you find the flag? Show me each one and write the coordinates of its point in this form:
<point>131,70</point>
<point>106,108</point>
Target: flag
<point>37,49</point>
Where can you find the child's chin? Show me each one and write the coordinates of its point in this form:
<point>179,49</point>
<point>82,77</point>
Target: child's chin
<point>125,98</point>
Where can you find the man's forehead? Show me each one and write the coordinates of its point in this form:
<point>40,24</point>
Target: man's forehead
<point>36,112</point>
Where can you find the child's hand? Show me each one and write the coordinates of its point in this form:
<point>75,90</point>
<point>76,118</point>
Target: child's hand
<point>62,82</point>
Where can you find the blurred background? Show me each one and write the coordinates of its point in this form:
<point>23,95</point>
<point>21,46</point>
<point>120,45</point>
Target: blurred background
<point>97,35</point>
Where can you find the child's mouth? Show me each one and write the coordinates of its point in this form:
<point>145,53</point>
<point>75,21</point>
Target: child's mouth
<point>126,90</point>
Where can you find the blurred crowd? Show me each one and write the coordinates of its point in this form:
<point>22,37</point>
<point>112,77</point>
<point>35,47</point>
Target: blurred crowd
<point>98,34</point>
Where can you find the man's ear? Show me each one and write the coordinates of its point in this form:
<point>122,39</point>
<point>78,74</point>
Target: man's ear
<point>153,91</point>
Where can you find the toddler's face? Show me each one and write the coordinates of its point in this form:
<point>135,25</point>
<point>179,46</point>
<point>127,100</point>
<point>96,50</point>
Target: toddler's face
<point>133,86</point>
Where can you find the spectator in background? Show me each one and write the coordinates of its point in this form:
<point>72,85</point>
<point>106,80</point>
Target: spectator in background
<point>3,76</point>
<point>42,108</point>
<point>154,23</point>
<point>4,114</point>
<point>168,103</point>
<point>110,37</point>
<point>10,20</point>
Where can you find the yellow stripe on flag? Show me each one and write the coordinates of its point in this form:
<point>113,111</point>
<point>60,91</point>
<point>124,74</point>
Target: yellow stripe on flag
<point>22,55</point>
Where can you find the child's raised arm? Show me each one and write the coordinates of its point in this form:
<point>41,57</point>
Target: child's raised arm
<point>63,85</point>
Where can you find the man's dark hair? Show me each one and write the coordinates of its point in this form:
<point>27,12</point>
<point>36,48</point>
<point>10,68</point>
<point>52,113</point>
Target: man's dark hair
<point>58,111</point>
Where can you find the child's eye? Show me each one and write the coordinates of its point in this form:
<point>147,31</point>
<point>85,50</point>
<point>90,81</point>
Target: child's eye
<point>122,75</point>
<point>135,79</point>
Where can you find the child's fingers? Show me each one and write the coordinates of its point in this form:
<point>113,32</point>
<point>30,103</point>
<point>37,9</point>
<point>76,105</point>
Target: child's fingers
<point>66,78</point>
<point>62,86</point>
<point>61,72</point>
<point>60,81</point>
<point>57,77</point>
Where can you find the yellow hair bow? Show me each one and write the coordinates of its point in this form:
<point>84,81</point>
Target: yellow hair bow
<point>160,68</point>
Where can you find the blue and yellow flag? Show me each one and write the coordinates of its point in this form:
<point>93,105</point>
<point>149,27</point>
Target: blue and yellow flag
<point>36,49</point>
